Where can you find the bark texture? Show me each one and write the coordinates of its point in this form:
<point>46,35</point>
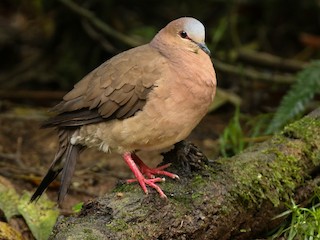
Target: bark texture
<point>234,198</point>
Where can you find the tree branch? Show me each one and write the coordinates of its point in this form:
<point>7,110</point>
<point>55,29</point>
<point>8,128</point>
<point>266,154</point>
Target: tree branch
<point>253,74</point>
<point>102,26</point>
<point>269,60</point>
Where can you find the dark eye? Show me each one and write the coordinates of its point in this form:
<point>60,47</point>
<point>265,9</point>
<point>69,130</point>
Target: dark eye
<point>183,34</point>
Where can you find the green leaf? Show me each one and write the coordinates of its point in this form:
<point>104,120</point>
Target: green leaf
<point>40,216</point>
<point>297,98</point>
<point>77,207</point>
<point>231,141</point>
<point>222,97</point>
<point>8,200</point>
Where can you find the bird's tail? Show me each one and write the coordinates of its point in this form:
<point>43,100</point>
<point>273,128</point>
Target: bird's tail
<point>64,161</point>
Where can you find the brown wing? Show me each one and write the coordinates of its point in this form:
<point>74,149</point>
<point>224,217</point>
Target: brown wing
<point>116,89</point>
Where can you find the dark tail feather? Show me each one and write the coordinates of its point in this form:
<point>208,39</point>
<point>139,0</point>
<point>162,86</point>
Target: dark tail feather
<point>52,173</point>
<point>64,161</point>
<point>50,176</point>
<point>68,170</point>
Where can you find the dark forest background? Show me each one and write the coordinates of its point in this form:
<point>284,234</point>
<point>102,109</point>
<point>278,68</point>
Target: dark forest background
<point>53,44</point>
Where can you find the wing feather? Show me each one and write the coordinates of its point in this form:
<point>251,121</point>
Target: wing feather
<point>117,89</point>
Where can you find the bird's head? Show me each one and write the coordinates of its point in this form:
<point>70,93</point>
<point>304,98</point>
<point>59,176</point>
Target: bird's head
<point>187,33</point>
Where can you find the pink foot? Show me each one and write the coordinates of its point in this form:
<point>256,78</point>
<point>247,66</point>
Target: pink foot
<point>150,172</point>
<point>140,178</point>
<point>151,183</point>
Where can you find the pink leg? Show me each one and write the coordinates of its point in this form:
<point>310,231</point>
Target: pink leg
<point>140,178</point>
<point>150,172</point>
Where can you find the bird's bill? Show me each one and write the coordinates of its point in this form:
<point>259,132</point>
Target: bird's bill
<point>204,48</point>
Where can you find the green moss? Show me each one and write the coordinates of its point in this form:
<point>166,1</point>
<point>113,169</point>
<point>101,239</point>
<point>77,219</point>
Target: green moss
<point>315,157</point>
<point>274,173</point>
<point>263,178</point>
<point>89,234</point>
<point>286,174</point>
<point>303,129</point>
<point>181,199</point>
<point>118,225</point>
<point>196,195</point>
<point>170,185</point>
<point>246,177</point>
<point>125,188</point>
<point>197,181</point>
<point>79,228</point>
<point>87,231</point>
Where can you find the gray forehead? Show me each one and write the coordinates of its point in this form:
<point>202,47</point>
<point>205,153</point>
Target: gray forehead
<point>194,28</point>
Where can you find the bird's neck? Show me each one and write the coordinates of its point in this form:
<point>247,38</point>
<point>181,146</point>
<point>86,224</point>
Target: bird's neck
<point>197,66</point>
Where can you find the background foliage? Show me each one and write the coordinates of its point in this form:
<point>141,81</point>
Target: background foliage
<point>50,45</point>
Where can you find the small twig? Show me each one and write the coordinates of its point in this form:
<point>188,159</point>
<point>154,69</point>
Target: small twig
<point>98,37</point>
<point>102,26</point>
<point>18,153</point>
<point>256,139</point>
<point>254,74</point>
<point>13,171</point>
<point>9,156</point>
<point>269,60</point>
<point>32,95</point>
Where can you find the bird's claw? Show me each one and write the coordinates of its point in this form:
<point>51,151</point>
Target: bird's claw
<point>151,182</point>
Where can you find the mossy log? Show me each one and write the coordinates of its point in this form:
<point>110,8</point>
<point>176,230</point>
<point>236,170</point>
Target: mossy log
<point>229,198</point>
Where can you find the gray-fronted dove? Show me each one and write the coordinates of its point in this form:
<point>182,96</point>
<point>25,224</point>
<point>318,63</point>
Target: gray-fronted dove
<point>147,98</point>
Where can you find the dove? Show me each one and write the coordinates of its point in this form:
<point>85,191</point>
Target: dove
<point>144,99</point>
